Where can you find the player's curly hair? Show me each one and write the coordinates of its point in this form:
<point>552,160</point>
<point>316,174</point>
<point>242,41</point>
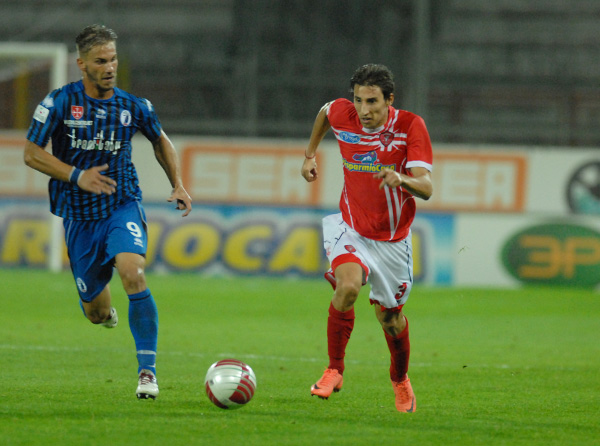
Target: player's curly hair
<point>92,36</point>
<point>374,75</point>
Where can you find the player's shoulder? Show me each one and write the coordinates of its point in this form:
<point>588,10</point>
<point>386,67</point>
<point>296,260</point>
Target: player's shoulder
<point>64,92</point>
<point>340,109</point>
<point>341,104</point>
<point>57,99</point>
<point>143,103</point>
<point>406,118</point>
<point>71,88</point>
<point>405,114</point>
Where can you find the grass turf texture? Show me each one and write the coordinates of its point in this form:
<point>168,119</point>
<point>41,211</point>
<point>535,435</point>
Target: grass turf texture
<point>516,367</point>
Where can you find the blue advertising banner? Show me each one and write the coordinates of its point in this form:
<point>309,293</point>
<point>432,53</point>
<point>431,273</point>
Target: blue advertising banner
<point>227,239</point>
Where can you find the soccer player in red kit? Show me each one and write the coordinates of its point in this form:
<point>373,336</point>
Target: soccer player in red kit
<point>387,160</point>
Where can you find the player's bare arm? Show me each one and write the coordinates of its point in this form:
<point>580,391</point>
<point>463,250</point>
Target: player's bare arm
<point>91,180</point>
<point>166,156</point>
<point>419,184</point>
<point>320,128</point>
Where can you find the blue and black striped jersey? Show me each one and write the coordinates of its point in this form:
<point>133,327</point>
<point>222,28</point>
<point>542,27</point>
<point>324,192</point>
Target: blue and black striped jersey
<point>90,132</point>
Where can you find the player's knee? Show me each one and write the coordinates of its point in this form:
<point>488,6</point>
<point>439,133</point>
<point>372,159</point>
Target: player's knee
<point>392,323</point>
<point>97,316</point>
<point>390,329</point>
<point>133,277</point>
<point>131,269</point>
<point>346,293</point>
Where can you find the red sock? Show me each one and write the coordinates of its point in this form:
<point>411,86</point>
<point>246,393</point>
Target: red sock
<point>400,351</point>
<point>339,329</point>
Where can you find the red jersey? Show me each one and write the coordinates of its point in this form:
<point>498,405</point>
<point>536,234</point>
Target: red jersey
<point>401,143</point>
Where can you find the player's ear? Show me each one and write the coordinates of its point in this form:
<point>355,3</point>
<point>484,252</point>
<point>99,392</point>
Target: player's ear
<point>81,64</point>
<point>390,100</point>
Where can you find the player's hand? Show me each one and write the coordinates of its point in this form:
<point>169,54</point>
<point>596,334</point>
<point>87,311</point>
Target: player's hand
<point>184,201</point>
<point>309,169</point>
<point>92,180</point>
<point>389,178</point>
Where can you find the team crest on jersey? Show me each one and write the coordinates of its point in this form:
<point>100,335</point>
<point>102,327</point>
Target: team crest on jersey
<point>77,111</point>
<point>386,138</point>
<point>126,118</point>
<point>350,248</point>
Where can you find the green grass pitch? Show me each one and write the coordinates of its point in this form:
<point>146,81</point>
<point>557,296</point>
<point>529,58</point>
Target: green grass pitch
<point>488,366</point>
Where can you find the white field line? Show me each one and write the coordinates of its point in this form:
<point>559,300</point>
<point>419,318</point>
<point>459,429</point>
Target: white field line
<point>246,356</point>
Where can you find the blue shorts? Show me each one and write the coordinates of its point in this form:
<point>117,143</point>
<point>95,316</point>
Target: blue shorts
<point>92,246</point>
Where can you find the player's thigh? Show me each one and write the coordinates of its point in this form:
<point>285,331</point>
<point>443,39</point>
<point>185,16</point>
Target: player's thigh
<point>128,231</point>
<point>392,273</point>
<point>350,274</point>
<point>91,268</point>
<point>127,243</point>
<point>343,245</point>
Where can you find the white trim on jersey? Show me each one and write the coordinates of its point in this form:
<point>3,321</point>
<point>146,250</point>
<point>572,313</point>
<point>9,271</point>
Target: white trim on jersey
<point>392,122</point>
<point>390,211</point>
<point>326,107</point>
<point>395,204</point>
<point>345,195</point>
<point>398,212</point>
<point>374,141</point>
<point>427,166</point>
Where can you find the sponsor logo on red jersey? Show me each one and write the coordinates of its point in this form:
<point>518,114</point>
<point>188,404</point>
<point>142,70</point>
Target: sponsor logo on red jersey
<point>369,157</point>
<point>349,137</point>
<point>366,162</point>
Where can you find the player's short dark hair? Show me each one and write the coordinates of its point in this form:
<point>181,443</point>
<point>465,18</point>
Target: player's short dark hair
<point>374,75</point>
<point>92,36</point>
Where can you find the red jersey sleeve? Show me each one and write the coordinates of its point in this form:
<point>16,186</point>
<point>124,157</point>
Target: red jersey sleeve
<point>419,152</point>
<point>341,112</point>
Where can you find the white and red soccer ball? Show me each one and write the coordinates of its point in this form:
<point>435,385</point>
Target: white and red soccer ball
<point>230,383</point>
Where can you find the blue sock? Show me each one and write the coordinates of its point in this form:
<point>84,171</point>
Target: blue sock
<point>143,322</point>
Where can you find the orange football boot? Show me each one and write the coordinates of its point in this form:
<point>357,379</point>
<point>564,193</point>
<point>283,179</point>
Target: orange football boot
<point>331,381</point>
<point>405,397</point>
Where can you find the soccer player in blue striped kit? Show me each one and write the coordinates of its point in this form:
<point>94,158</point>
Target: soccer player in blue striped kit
<point>94,188</point>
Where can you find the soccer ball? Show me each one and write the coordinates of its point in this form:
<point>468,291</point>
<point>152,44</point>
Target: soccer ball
<point>230,383</point>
